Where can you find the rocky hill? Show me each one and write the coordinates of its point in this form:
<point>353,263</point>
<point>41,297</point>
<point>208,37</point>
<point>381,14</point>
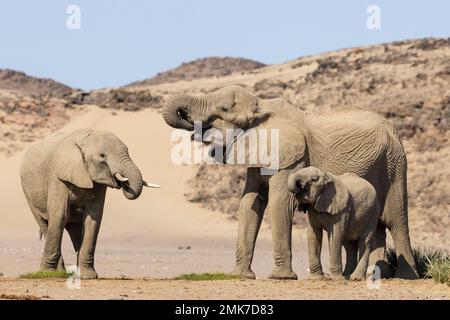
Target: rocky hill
<point>408,82</point>
<point>136,95</point>
<point>25,118</point>
<point>19,81</point>
<point>201,68</point>
<point>31,108</point>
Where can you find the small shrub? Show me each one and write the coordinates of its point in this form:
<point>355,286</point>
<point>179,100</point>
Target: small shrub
<point>439,270</point>
<point>207,276</point>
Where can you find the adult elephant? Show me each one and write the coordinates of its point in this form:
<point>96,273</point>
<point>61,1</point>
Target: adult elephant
<point>346,140</point>
<point>64,179</point>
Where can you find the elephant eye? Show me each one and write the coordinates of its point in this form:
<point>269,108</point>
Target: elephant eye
<point>102,155</point>
<point>226,106</point>
<point>314,178</point>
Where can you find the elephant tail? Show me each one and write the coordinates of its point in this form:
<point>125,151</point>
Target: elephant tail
<point>43,226</point>
<point>40,234</point>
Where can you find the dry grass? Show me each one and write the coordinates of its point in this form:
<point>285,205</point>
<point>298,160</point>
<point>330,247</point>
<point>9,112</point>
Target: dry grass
<point>439,270</point>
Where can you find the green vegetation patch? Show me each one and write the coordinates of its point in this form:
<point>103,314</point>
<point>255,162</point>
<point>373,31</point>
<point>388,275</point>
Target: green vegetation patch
<point>207,276</point>
<point>45,275</point>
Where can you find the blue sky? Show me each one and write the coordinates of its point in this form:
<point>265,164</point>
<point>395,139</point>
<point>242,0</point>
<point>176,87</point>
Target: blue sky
<point>123,41</point>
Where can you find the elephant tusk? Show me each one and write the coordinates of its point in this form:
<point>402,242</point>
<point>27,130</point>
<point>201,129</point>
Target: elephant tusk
<point>121,178</point>
<point>150,185</point>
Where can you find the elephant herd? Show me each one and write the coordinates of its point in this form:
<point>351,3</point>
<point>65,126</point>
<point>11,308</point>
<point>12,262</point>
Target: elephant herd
<point>346,168</point>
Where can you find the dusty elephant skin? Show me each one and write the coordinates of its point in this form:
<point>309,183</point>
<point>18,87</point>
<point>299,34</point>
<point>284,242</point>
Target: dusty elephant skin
<point>64,179</point>
<point>347,208</point>
<point>345,140</point>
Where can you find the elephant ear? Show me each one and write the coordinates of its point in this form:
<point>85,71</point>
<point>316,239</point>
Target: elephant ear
<point>334,198</point>
<point>280,144</point>
<point>70,167</point>
<point>292,146</point>
<point>291,141</point>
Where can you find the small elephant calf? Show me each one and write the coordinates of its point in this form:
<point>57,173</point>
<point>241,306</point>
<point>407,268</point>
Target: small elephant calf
<point>347,207</point>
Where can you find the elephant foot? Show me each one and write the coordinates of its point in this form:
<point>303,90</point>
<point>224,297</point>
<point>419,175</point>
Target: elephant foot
<point>243,274</point>
<point>357,276</point>
<point>406,273</point>
<point>88,273</point>
<point>283,274</point>
<point>316,276</point>
<point>51,266</point>
<point>337,276</point>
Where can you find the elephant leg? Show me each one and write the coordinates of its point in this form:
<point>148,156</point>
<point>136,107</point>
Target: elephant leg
<point>365,246</point>
<point>364,251</point>
<point>335,245</point>
<point>46,265</point>
<point>75,231</point>
<point>91,226</point>
<point>395,216</point>
<point>351,251</point>
<point>251,210</point>
<point>378,255</point>
<point>315,236</point>
<point>52,258</point>
<point>43,229</point>
<point>406,266</point>
<point>60,266</point>
<point>281,208</point>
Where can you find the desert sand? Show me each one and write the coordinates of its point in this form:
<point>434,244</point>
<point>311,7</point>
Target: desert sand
<point>119,289</point>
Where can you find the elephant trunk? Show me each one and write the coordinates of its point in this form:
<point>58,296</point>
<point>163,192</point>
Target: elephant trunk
<point>181,111</point>
<point>293,184</point>
<point>131,177</point>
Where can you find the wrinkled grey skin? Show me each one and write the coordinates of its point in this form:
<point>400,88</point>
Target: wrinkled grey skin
<point>64,179</point>
<point>345,140</point>
<point>347,208</point>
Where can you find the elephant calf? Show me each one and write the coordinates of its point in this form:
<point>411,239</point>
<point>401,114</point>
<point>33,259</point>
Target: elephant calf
<point>64,179</point>
<point>346,206</point>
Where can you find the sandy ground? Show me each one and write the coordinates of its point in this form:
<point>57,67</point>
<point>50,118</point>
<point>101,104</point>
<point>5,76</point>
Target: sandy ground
<point>161,235</point>
<point>229,289</point>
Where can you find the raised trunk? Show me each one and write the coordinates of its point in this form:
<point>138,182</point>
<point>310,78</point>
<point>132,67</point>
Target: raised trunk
<point>181,111</point>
